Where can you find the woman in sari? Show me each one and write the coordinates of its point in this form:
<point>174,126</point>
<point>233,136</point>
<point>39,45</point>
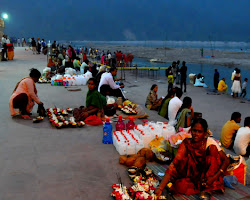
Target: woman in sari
<point>95,103</point>
<point>185,114</point>
<point>163,109</point>
<point>24,95</point>
<point>198,166</point>
<point>152,103</point>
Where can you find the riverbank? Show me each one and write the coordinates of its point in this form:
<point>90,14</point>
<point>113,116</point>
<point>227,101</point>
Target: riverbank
<point>41,162</point>
<point>190,55</point>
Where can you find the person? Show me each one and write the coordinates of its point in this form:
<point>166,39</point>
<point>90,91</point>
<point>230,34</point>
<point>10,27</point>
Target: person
<point>107,84</point>
<point>77,64</point>
<point>177,72</point>
<point>163,109</point>
<point>38,46</point>
<point>24,42</point>
<point>84,57</point>
<point>183,72</point>
<point>85,66</point>
<point>242,139</point>
<point>216,79</point>
<point>244,88</point>
<point>236,87</point>
<point>199,164</point>
<point>53,46</point>
<point>152,102</point>
<point>103,59</point>
<point>185,114</point>
<point>199,81</point>
<point>173,69</point>
<point>222,87</point>
<point>33,45</point>
<point>98,76</point>
<point>71,53</point>
<point>93,69</point>
<point>202,52</point>
<point>174,105</point>
<point>170,80</point>
<point>4,49</point>
<point>19,42</point>
<point>229,130</point>
<point>24,95</point>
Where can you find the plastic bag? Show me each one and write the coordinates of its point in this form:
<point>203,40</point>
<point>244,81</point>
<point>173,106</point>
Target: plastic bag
<point>93,120</point>
<point>229,180</point>
<point>110,100</point>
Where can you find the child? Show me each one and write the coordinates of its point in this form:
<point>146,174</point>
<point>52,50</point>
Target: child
<point>170,81</point>
<point>244,88</point>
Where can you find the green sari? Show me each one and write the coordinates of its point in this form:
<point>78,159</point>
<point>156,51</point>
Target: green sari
<point>94,98</point>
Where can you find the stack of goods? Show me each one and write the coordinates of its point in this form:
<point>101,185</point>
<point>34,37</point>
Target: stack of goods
<point>128,108</point>
<point>60,118</point>
<point>70,80</point>
<point>143,188</point>
<point>131,141</point>
<point>127,142</point>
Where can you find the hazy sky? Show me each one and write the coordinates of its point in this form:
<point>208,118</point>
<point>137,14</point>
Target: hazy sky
<point>129,19</point>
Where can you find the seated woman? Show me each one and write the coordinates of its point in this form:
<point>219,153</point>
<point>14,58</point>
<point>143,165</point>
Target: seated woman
<point>95,103</point>
<point>199,81</point>
<point>152,103</point>
<point>185,114</point>
<point>24,95</point>
<point>163,109</point>
<point>199,164</point>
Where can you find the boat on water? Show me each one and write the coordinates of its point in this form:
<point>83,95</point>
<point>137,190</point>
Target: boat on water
<point>157,60</point>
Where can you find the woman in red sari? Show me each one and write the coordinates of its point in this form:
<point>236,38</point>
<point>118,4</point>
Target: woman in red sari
<point>198,166</point>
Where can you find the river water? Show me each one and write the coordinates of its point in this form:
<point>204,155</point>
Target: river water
<point>205,69</point>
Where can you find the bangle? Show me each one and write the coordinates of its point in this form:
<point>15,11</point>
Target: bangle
<point>222,171</point>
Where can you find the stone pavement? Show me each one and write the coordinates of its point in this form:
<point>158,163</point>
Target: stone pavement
<point>38,162</point>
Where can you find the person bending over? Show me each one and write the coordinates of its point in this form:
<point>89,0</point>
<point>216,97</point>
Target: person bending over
<point>152,102</point>
<point>24,95</point>
<point>199,164</point>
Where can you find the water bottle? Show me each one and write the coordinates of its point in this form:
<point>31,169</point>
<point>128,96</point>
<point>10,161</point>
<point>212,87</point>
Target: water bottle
<point>107,133</point>
<point>120,124</point>
<point>130,125</point>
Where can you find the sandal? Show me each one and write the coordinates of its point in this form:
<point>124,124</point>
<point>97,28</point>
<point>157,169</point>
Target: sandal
<point>26,117</point>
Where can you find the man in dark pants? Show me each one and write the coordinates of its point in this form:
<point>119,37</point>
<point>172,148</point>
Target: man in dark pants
<point>216,79</point>
<point>4,48</point>
<point>183,72</point>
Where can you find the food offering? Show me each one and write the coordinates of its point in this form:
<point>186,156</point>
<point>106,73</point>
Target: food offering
<point>60,118</point>
<point>128,108</point>
<point>38,119</point>
<point>43,80</point>
<point>143,188</point>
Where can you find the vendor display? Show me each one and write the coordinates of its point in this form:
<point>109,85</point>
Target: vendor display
<point>60,118</point>
<point>128,108</point>
<point>144,185</point>
<point>43,80</point>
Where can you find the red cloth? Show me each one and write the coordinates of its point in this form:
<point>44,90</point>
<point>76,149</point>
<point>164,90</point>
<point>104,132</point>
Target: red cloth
<point>93,120</point>
<point>193,163</point>
<point>118,56</point>
<point>84,57</point>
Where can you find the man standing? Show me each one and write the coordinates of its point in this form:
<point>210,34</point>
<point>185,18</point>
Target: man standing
<point>229,131</point>
<point>183,72</point>
<point>4,48</point>
<point>216,79</point>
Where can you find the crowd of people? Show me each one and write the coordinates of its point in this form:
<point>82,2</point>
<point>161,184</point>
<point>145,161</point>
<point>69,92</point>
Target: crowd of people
<point>200,162</point>
<point>238,88</point>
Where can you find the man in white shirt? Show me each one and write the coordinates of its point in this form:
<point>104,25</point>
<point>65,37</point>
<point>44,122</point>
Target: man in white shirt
<point>107,85</point>
<point>173,106</point>
<point>242,139</point>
